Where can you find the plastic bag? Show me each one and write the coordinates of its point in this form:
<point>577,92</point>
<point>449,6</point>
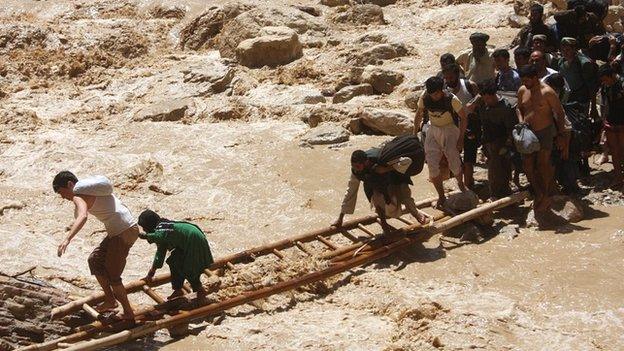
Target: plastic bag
<point>525,140</point>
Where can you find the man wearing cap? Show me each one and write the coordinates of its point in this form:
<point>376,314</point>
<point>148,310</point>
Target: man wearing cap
<point>579,72</point>
<point>535,27</point>
<point>477,62</point>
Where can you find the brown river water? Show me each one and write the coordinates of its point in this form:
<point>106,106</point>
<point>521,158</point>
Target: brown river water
<point>250,182</point>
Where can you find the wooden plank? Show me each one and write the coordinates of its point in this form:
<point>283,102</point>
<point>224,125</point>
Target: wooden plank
<point>365,230</point>
<point>327,243</point>
<point>350,236</point>
<point>90,311</point>
<point>277,253</point>
<point>153,295</point>
<point>299,245</point>
<point>405,221</point>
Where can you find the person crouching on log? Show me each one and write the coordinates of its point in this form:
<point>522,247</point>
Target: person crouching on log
<point>190,253</point>
<point>95,196</point>
<point>386,173</point>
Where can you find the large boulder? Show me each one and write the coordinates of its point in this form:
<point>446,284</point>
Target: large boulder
<point>378,2</point>
<point>411,99</point>
<point>383,81</point>
<point>377,54</point>
<point>250,23</point>
<point>212,78</point>
<point>362,15</point>
<point>387,121</point>
<point>349,92</point>
<point>326,134</point>
<point>274,47</point>
<point>334,3</point>
<point>207,25</point>
<point>166,111</point>
<point>320,114</point>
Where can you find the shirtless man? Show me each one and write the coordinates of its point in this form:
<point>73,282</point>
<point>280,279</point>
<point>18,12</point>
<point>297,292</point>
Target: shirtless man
<point>108,260</point>
<point>537,103</point>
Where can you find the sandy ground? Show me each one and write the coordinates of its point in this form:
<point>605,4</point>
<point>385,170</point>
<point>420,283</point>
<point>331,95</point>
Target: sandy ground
<point>249,182</point>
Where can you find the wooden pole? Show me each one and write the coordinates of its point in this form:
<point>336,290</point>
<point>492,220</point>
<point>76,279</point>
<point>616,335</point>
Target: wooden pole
<point>247,297</point>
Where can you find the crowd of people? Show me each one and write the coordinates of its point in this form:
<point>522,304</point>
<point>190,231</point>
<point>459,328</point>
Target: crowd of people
<point>537,115</point>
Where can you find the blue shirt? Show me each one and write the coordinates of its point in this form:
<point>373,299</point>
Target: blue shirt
<point>508,80</point>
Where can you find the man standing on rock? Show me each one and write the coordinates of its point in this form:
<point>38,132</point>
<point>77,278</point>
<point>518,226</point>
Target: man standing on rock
<point>477,62</point>
<point>445,120</point>
<point>537,103</point>
<point>95,196</point>
<point>465,91</point>
<point>385,172</point>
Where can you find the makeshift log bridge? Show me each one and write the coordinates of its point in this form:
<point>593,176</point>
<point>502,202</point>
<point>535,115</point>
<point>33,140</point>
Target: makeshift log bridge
<point>365,247</point>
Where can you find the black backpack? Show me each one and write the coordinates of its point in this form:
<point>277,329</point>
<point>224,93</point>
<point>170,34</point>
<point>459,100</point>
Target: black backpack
<point>404,146</point>
<point>584,131</point>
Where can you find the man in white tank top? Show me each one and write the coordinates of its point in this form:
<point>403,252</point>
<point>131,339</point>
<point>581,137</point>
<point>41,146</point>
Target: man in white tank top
<point>108,260</point>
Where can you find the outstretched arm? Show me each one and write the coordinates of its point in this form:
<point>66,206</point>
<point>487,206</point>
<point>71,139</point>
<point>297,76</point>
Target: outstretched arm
<point>80,218</point>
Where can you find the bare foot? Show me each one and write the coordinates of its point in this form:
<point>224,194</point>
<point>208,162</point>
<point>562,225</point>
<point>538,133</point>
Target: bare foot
<point>106,306</point>
<point>176,293</point>
<point>423,218</point>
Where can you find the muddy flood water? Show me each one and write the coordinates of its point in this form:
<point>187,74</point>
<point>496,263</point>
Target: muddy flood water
<point>79,84</point>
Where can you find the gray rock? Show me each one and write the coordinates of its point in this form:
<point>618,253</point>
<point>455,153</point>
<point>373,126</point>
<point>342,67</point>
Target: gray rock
<point>326,134</point>
<point>564,210</point>
<point>319,114</point>
<point>379,53</point>
<point>516,21</point>
<point>168,110</point>
<point>388,121</point>
<point>314,98</point>
<point>207,25</point>
<point>383,81</point>
<point>461,202</point>
<point>411,99</point>
<point>274,47</point>
<point>349,92</point>
<point>377,2</point>
<point>568,209</point>
<point>311,10</point>
<point>510,231</point>
<point>361,15</point>
<point>213,78</point>
<point>334,3</point>
<point>250,23</point>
